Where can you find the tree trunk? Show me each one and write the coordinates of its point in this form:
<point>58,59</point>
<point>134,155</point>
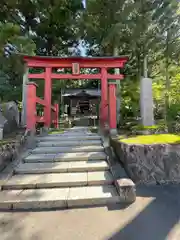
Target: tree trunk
<point>146,66</point>
<point>138,64</point>
<point>167,81</point>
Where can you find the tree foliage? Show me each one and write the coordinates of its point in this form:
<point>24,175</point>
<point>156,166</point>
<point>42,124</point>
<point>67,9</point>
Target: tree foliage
<point>137,28</point>
<point>34,27</point>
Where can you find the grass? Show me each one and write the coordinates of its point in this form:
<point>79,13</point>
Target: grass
<point>55,131</point>
<point>152,139</point>
<point>140,127</point>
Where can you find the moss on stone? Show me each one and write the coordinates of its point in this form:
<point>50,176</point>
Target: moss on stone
<point>152,139</point>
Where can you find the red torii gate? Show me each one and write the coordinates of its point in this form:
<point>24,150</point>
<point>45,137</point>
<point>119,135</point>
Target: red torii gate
<point>108,85</point>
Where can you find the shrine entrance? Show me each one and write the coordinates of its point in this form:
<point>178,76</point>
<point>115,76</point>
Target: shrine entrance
<point>51,67</point>
<point>83,103</point>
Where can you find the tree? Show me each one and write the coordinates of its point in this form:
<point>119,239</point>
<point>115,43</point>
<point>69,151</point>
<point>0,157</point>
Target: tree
<point>11,66</point>
<point>136,28</point>
<point>34,27</point>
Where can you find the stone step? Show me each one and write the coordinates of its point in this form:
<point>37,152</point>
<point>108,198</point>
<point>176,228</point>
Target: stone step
<point>76,134</point>
<point>71,137</point>
<point>94,195</point>
<point>60,167</point>
<point>79,156</point>
<point>64,143</point>
<point>58,197</point>
<point>31,181</point>
<point>68,149</point>
<point>73,130</point>
<point>78,128</point>
<point>72,134</point>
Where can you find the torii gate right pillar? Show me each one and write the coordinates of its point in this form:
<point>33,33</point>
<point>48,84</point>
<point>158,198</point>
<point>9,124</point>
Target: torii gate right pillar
<point>112,108</point>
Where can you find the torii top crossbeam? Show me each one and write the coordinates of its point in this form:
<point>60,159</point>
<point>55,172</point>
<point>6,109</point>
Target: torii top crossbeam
<point>76,63</point>
<point>84,62</point>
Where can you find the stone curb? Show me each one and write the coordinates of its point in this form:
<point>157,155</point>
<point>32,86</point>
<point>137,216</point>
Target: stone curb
<point>124,185</point>
<point>126,189</point>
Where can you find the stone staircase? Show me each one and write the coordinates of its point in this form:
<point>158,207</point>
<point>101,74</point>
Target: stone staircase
<point>64,170</point>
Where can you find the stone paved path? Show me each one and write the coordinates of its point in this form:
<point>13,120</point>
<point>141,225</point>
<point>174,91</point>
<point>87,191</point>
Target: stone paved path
<point>154,216</point>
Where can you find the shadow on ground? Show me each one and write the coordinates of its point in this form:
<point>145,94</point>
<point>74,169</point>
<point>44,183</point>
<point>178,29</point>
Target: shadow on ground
<point>157,220</point>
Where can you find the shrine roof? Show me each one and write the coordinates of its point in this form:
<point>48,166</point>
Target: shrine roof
<point>78,91</point>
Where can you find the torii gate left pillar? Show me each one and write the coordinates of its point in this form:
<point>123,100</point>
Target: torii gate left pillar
<point>47,97</point>
<point>104,97</point>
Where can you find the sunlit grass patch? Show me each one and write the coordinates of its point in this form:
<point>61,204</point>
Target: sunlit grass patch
<point>152,139</point>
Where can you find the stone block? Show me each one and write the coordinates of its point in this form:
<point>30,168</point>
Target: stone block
<point>80,156</point>
<point>126,189</point>
<point>42,199</point>
<point>100,178</point>
<point>72,137</point>
<point>82,166</point>
<point>39,158</point>
<point>46,180</point>
<point>42,167</point>
<point>146,100</point>
<point>7,198</point>
<point>9,116</point>
<point>41,150</point>
<point>34,199</point>
<point>92,195</point>
<point>17,182</point>
<point>64,143</point>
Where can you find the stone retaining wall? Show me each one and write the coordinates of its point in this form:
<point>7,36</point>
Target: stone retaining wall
<point>149,164</point>
<point>11,150</point>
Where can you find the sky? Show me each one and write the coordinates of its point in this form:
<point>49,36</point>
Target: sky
<point>84,3</point>
<point>81,47</point>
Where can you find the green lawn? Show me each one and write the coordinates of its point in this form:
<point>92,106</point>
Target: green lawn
<point>152,139</point>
